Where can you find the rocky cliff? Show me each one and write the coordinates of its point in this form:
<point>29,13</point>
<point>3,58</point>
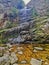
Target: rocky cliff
<point>41,6</point>
<point>8,4</point>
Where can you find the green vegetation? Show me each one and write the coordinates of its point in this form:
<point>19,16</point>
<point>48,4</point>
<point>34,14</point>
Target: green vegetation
<point>40,30</point>
<point>34,12</point>
<point>4,38</point>
<point>10,24</point>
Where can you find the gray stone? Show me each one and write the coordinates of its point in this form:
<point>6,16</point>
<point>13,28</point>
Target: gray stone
<point>24,32</point>
<point>35,50</point>
<point>38,48</point>
<point>35,62</point>
<point>18,40</point>
<point>39,6</point>
<point>4,59</point>
<point>15,64</point>
<point>13,58</point>
<point>9,45</point>
<point>23,62</point>
<point>20,52</point>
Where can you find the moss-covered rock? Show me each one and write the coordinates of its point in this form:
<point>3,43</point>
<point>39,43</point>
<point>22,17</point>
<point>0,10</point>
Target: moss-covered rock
<point>40,30</point>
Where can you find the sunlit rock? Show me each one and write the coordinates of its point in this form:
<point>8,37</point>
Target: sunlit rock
<point>20,52</point>
<point>13,58</point>
<point>35,62</point>
<point>24,62</point>
<point>38,48</point>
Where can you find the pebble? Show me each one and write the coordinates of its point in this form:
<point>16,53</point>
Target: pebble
<point>23,62</point>
<point>9,45</point>
<point>20,52</point>
<point>35,50</point>
<point>10,49</point>
<point>24,32</point>
<point>46,63</point>
<point>18,48</point>
<point>35,62</point>
<point>38,48</point>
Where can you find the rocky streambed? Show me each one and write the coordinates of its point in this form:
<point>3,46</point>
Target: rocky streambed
<point>24,54</point>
